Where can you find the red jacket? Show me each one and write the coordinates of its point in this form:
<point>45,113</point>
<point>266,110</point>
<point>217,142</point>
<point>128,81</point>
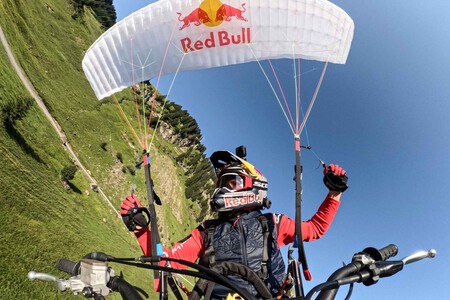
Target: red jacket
<point>191,247</point>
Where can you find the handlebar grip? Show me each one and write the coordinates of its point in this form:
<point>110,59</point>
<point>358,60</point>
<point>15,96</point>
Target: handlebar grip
<point>388,251</point>
<point>383,253</point>
<point>126,290</point>
<point>68,266</point>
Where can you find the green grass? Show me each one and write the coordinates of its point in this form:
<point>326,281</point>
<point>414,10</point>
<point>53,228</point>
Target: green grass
<point>41,221</point>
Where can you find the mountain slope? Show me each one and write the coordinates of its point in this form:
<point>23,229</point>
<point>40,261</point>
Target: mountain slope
<point>41,219</point>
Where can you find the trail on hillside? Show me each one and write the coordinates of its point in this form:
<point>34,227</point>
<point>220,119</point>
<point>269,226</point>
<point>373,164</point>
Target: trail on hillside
<point>50,118</point>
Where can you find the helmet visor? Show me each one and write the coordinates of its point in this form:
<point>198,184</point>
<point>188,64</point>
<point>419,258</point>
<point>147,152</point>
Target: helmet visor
<point>234,182</point>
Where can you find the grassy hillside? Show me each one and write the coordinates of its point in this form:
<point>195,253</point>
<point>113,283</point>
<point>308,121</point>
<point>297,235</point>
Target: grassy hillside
<point>41,220</point>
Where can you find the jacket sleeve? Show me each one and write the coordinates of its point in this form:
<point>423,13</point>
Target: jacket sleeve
<point>312,229</point>
<point>189,248</point>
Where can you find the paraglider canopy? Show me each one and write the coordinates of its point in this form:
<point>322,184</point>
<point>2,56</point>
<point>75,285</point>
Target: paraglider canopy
<point>169,36</point>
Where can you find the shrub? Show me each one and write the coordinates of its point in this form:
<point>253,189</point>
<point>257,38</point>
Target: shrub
<point>119,157</point>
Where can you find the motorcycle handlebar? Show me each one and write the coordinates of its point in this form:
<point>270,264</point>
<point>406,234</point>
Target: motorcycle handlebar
<point>367,267</point>
<point>366,270</point>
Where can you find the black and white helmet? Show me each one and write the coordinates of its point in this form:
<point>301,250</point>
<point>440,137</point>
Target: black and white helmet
<point>239,184</point>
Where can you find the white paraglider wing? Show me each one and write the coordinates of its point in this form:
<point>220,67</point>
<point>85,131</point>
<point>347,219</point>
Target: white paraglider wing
<point>169,36</point>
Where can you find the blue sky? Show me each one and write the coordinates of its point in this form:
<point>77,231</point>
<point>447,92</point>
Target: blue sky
<point>383,116</point>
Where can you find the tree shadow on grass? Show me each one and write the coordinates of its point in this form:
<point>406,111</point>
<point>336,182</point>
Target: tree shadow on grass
<point>73,188</point>
<point>19,139</point>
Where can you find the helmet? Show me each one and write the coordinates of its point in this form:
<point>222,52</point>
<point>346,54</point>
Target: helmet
<point>239,184</point>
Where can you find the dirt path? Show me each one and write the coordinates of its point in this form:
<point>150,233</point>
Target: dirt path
<point>54,123</point>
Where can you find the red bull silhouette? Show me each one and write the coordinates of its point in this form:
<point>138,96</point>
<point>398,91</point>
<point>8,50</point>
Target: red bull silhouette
<point>198,16</point>
<point>226,12</point>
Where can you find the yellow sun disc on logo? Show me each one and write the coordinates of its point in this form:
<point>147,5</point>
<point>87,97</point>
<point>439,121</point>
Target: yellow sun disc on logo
<point>211,7</point>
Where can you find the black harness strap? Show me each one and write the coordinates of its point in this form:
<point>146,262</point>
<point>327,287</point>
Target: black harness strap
<point>263,219</point>
<point>207,231</point>
<point>173,286</point>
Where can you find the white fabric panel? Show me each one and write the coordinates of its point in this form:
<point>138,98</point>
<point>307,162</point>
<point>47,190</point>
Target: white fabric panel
<point>135,49</point>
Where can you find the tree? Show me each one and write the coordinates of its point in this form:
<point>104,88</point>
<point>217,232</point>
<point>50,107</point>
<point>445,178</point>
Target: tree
<point>104,10</point>
<point>68,172</point>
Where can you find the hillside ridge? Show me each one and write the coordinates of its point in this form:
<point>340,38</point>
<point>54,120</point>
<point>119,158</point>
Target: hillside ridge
<point>50,118</point>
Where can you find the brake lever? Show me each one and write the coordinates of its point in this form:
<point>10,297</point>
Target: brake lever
<point>419,256</point>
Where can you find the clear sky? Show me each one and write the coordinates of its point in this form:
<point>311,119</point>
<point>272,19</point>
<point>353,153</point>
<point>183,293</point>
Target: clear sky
<point>383,116</point>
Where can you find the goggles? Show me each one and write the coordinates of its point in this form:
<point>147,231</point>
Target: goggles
<point>235,182</point>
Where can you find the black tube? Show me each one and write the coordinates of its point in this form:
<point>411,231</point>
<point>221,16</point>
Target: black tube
<point>298,284</point>
<point>173,286</point>
<point>333,285</point>
<point>154,231</point>
<point>203,273</point>
<point>218,278</point>
<point>126,290</point>
<point>338,274</point>
<point>298,219</point>
<point>233,268</point>
<point>100,256</point>
<point>325,286</point>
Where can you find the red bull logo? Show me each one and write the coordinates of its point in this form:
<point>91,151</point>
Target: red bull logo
<point>197,17</point>
<point>247,198</point>
<point>212,13</point>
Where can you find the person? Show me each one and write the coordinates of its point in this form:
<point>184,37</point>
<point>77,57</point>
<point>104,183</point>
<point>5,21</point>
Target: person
<point>241,233</point>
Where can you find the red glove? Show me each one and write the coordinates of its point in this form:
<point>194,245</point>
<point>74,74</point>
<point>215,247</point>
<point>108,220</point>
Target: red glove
<point>334,168</point>
<point>131,211</point>
<point>130,202</point>
<point>334,178</point>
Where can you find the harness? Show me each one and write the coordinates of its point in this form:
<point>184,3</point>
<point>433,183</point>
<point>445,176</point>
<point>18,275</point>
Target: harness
<point>209,258</point>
